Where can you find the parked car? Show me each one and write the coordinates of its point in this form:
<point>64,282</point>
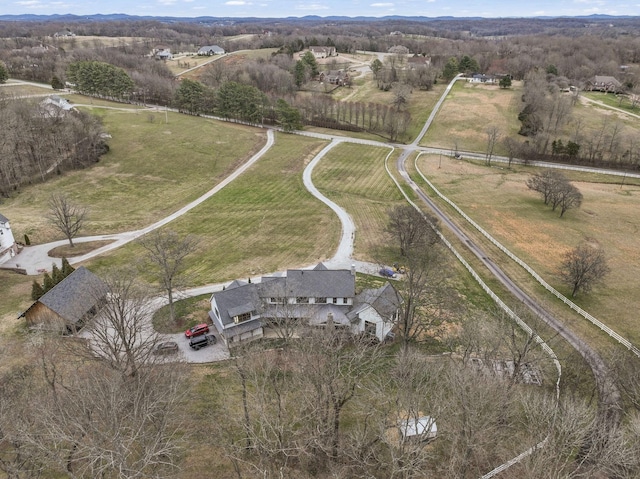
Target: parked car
<point>387,273</point>
<point>197,330</point>
<point>202,341</point>
<point>167,347</point>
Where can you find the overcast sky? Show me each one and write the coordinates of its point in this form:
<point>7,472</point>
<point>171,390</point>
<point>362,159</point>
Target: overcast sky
<point>300,8</point>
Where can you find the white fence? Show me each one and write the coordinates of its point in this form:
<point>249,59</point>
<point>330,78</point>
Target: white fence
<point>501,304</point>
<point>625,342</point>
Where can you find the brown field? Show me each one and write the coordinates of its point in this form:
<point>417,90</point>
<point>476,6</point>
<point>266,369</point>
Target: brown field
<point>499,201</point>
<point>92,41</point>
<point>467,113</point>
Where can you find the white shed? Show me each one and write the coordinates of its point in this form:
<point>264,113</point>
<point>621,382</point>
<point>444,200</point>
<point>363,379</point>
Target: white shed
<point>422,428</point>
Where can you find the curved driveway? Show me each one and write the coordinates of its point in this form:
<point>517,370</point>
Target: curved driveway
<point>35,259</point>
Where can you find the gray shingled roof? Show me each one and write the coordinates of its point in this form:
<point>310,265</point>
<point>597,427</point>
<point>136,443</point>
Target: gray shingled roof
<point>3,219</point>
<point>241,296</point>
<point>319,283</point>
<point>385,300</point>
<point>75,295</point>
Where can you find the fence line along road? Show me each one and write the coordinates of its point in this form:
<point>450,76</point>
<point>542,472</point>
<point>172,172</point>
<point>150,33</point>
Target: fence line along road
<point>512,315</point>
<point>625,342</point>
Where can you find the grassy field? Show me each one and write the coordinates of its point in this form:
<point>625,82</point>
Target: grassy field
<point>499,201</point>
<point>354,177</point>
<point>617,101</point>
<point>93,41</point>
<point>15,89</point>
<point>152,169</point>
<point>467,113</point>
<point>262,222</point>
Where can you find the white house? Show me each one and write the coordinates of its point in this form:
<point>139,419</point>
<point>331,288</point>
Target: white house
<point>54,106</point>
<point>243,310</point>
<point>323,52</point>
<point>8,246</point>
<point>209,50</point>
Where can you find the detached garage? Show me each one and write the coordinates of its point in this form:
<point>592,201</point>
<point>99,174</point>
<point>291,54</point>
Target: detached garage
<point>69,304</point>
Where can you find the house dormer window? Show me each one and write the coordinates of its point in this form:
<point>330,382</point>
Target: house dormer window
<point>242,317</point>
<point>345,300</point>
<point>302,300</point>
<point>278,300</point>
<point>321,300</point>
<point>335,300</point>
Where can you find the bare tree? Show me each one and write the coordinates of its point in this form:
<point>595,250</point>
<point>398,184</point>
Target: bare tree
<point>65,216</point>
<point>493,135</point>
<point>410,229</point>
<point>167,251</point>
<point>121,333</point>
<point>95,422</point>
<point>583,267</point>
<point>546,183</point>
<point>569,197</point>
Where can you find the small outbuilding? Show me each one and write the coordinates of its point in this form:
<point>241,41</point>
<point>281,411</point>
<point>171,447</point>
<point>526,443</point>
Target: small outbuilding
<point>421,428</point>
<point>69,304</point>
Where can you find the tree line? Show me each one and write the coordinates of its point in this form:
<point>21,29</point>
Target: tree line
<point>34,143</point>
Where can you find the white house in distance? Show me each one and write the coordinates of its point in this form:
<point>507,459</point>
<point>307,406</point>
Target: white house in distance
<point>209,50</point>
<point>8,246</point>
<point>323,52</point>
<point>242,311</point>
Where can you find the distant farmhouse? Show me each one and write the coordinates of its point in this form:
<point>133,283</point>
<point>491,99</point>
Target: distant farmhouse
<point>604,83</point>
<point>54,106</point>
<point>64,34</point>
<point>317,297</point>
<point>335,77</point>
<point>211,50</point>
<point>161,52</point>
<point>69,304</point>
<point>8,246</point>
<point>323,52</point>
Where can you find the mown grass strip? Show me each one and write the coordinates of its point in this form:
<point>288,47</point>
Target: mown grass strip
<point>264,221</point>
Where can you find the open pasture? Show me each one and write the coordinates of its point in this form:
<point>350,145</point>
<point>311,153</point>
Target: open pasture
<point>498,199</point>
<point>262,222</point>
<point>355,178</point>
<point>469,110</point>
<point>152,169</point>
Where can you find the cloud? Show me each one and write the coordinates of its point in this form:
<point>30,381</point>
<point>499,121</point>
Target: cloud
<point>312,7</point>
<point>382,5</point>
<point>29,3</point>
<point>236,2</point>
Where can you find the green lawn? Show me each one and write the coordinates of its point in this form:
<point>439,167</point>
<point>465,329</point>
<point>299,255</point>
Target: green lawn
<point>617,101</point>
<point>152,169</point>
<point>355,178</point>
<point>264,221</point>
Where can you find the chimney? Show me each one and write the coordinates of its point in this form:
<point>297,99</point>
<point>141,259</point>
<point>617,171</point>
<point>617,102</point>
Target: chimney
<point>353,269</point>
<point>330,321</point>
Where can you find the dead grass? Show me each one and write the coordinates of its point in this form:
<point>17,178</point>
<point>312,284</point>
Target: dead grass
<point>500,202</point>
<point>467,113</point>
<point>78,249</point>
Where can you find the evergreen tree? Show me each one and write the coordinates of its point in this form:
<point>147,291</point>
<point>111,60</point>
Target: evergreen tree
<point>67,269</point>
<point>56,84</point>
<point>36,290</point>
<point>4,73</point>
<point>56,274</point>
<point>47,283</point>
<point>450,69</point>
<point>505,82</point>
